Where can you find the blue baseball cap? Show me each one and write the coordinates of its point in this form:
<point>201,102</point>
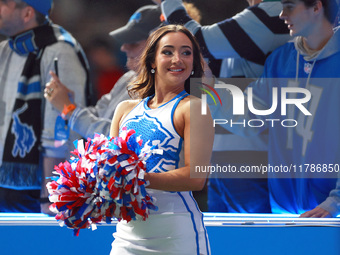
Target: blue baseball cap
<point>42,6</point>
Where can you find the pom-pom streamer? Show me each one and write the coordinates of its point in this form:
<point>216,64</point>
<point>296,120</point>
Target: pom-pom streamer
<point>103,180</point>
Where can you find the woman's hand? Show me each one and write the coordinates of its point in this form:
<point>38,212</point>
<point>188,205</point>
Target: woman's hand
<point>57,93</point>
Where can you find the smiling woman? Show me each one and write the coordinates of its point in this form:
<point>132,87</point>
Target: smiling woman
<point>162,118</point>
<point>174,61</point>
<point>145,84</point>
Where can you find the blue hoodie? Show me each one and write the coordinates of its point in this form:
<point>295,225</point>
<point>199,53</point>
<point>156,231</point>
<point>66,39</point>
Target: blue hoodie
<point>316,138</point>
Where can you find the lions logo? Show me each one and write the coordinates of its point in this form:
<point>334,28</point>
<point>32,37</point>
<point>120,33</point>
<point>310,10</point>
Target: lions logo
<point>150,130</point>
<point>24,134</point>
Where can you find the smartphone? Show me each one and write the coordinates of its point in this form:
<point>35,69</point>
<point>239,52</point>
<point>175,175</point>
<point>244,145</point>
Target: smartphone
<point>56,66</point>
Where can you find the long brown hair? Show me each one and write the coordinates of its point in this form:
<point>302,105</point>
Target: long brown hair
<point>144,85</point>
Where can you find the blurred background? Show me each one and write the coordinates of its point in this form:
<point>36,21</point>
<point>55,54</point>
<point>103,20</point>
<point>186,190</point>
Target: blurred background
<point>90,21</point>
<point>86,18</point>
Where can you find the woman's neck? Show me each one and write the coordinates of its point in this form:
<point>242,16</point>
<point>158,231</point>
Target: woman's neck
<point>163,95</point>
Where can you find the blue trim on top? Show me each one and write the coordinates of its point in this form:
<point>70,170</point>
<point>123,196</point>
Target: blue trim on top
<point>193,222</point>
<point>148,98</point>
<point>205,230</point>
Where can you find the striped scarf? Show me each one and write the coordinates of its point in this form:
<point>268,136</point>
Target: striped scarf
<point>22,147</point>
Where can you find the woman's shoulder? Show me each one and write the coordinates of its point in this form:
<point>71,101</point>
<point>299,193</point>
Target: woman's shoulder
<point>127,105</point>
<point>190,104</point>
<point>191,100</point>
<point>129,102</point>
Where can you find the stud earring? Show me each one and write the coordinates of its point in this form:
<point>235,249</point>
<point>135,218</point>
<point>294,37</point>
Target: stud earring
<point>192,72</point>
<point>153,70</point>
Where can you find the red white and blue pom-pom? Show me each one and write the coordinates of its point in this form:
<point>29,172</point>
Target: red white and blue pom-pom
<point>102,181</point>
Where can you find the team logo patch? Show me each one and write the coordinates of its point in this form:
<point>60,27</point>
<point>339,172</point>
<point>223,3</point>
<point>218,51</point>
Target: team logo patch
<point>308,68</point>
<point>135,17</point>
<point>24,134</point>
<point>150,129</point>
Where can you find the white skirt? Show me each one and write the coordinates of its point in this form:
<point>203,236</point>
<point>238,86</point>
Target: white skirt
<point>168,233</point>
